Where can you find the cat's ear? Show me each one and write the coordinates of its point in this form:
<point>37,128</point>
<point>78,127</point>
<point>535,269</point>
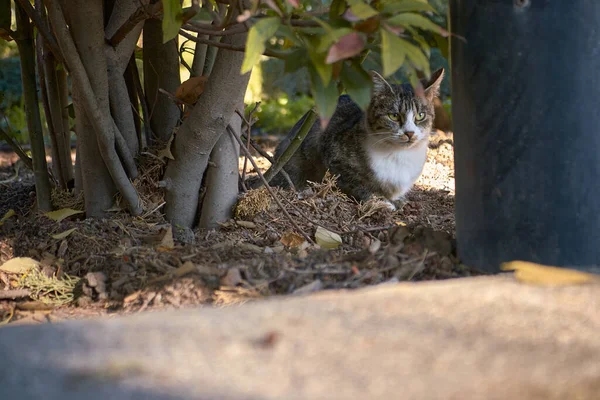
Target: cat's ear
<point>380,85</point>
<point>432,85</point>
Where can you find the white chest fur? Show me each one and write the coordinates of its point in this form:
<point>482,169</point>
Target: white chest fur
<point>399,168</point>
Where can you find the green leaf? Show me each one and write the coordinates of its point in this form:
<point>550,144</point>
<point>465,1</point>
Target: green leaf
<point>416,57</point>
<point>172,19</point>
<point>318,62</point>
<point>417,21</point>
<point>337,8</point>
<point>63,235</point>
<point>361,9</point>
<point>357,83</point>
<point>71,110</point>
<point>326,96</point>
<point>393,7</point>
<point>259,33</point>
<point>392,52</point>
<point>9,213</point>
<point>331,37</point>
<point>295,60</point>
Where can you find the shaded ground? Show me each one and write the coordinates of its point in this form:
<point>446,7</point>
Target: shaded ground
<point>133,264</point>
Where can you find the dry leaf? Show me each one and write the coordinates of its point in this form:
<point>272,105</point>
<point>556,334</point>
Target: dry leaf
<point>8,214</point>
<point>185,269</point>
<point>310,287</point>
<point>246,224</point>
<point>19,265</point>
<point>233,277</point>
<point>538,274</point>
<point>166,152</point>
<point>291,239</point>
<point>61,214</point>
<point>167,241</point>
<point>327,239</point>
<point>190,90</point>
<point>62,235</point>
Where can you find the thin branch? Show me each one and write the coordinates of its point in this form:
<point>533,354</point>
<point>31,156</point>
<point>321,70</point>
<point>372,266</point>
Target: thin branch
<point>240,28</point>
<point>249,132</point>
<point>143,102</point>
<point>270,159</point>
<point>295,143</point>
<point>226,46</point>
<point>17,149</point>
<point>269,189</point>
<point>43,30</point>
<point>13,294</point>
<point>144,12</point>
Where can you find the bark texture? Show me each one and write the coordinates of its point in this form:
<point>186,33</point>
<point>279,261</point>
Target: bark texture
<point>87,29</point>
<point>32,110</point>
<point>161,71</point>
<point>222,178</point>
<point>200,132</point>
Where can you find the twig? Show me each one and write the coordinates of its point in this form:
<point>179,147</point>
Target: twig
<point>295,143</point>
<point>17,149</point>
<point>268,53</point>
<point>266,155</point>
<point>140,92</point>
<point>269,189</point>
<point>142,13</point>
<point>13,294</point>
<point>209,30</point>
<point>248,134</point>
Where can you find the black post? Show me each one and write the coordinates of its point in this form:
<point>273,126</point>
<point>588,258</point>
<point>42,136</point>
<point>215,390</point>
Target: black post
<point>526,110</point>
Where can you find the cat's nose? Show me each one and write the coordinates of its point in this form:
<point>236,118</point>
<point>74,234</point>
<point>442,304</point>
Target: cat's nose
<point>409,134</point>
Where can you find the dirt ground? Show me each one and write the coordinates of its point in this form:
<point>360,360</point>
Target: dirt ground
<point>129,264</point>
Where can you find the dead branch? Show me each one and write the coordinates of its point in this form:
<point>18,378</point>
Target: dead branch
<point>13,294</point>
<point>269,189</point>
<point>142,97</point>
<point>249,132</point>
<point>103,127</point>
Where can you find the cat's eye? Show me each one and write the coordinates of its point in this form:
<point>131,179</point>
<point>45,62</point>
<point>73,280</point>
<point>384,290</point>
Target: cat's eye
<point>394,117</point>
<point>420,117</point>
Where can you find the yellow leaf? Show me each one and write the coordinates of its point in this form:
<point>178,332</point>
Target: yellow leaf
<point>538,274</point>
<point>61,214</point>
<point>8,214</point>
<point>291,239</point>
<point>327,239</point>
<point>62,235</point>
<point>19,265</point>
<point>167,241</point>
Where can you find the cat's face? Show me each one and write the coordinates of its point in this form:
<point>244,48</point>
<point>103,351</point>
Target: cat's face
<point>396,116</point>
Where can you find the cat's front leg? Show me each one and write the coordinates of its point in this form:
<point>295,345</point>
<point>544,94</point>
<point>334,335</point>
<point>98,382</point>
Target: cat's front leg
<point>396,204</point>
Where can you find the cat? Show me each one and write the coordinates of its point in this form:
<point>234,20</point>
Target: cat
<point>378,152</point>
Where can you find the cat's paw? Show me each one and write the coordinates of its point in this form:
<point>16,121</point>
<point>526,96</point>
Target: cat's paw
<point>391,206</point>
<point>396,205</point>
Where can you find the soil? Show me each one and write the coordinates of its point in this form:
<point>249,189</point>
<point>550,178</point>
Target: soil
<point>125,264</point>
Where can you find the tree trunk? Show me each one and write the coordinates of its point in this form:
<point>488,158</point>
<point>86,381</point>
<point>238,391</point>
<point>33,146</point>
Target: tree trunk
<point>87,29</point>
<point>161,71</point>
<point>222,178</point>
<point>200,132</point>
<point>32,110</point>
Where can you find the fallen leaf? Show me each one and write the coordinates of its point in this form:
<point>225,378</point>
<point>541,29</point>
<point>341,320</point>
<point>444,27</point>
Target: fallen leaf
<point>61,214</point>
<point>8,214</point>
<point>167,241</point>
<point>166,151</point>
<point>348,46</point>
<point>246,224</point>
<point>291,239</point>
<point>538,274</point>
<point>327,239</point>
<point>233,277</point>
<point>62,235</point>
<point>185,269</point>
<point>19,265</point>
<point>190,90</point>
<point>310,287</point>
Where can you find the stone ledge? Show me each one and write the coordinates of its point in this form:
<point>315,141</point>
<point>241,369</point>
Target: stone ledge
<point>473,338</point>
